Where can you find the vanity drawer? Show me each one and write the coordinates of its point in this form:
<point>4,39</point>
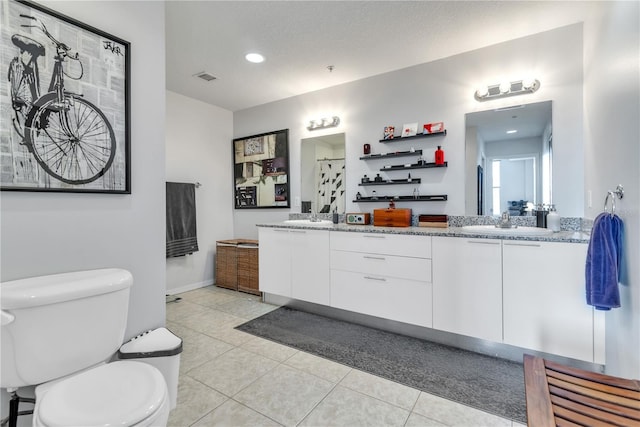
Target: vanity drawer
<point>380,264</point>
<point>378,243</point>
<point>407,301</point>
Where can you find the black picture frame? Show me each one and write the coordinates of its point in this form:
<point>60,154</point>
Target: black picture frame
<point>66,104</point>
<point>261,171</point>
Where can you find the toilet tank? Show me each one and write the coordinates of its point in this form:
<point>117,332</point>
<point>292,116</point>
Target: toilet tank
<point>55,325</point>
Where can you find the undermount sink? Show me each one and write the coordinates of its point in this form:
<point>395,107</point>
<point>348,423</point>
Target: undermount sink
<point>321,222</point>
<point>514,231</point>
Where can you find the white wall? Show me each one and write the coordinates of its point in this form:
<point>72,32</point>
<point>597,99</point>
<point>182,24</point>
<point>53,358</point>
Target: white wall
<point>45,233</point>
<point>436,91</point>
<point>198,149</point>
<point>612,156</point>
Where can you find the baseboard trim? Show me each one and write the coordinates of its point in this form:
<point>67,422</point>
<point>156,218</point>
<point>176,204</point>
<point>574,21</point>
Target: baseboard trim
<point>189,287</point>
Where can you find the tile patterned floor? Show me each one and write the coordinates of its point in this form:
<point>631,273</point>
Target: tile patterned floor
<point>230,378</point>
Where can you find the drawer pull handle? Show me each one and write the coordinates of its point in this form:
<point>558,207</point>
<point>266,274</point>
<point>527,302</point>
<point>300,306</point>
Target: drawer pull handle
<point>374,257</point>
<point>533,245</point>
<point>373,236</point>
<point>379,279</point>
<point>482,243</point>
<point>298,231</point>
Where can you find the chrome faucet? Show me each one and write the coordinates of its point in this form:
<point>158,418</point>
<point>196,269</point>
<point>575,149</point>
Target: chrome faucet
<point>505,221</point>
<point>314,217</point>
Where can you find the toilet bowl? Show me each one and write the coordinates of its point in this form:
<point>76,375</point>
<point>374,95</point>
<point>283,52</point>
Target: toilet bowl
<point>57,333</point>
<point>115,394</point>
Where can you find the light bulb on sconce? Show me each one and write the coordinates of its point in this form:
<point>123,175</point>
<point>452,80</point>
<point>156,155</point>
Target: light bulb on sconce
<point>505,87</point>
<point>482,91</point>
<point>528,83</point>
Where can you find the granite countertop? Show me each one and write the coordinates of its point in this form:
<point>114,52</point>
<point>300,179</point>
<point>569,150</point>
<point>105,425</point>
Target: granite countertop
<point>569,236</point>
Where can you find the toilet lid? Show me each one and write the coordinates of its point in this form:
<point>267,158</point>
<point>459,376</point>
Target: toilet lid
<point>115,394</point>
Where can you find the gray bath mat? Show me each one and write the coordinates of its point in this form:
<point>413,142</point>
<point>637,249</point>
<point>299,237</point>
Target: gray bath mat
<point>487,383</point>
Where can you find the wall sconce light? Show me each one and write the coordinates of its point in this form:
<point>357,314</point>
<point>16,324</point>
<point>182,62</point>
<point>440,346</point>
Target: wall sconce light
<point>326,122</point>
<point>502,90</point>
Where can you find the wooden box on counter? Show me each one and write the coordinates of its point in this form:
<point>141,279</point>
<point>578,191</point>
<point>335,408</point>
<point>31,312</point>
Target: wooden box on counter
<point>392,217</point>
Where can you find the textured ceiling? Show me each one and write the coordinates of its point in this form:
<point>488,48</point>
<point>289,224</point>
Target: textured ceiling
<point>359,38</point>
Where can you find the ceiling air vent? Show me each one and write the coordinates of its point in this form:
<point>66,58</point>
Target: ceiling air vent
<point>205,76</point>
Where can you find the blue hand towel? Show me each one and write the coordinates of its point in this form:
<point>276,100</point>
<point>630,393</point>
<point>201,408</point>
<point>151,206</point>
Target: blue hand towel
<point>604,257</point>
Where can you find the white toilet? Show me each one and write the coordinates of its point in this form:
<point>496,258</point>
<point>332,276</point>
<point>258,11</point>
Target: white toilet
<point>59,332</point>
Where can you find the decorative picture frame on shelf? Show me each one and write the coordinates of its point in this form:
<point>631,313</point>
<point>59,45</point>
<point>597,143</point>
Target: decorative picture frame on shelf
<point>261,171</point>
<point>74,136</point>
<point>388,132</point>
<point>409,129</point>
<point>436,127</point>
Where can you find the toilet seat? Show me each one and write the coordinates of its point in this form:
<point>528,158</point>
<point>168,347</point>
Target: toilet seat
<point>123,393</point>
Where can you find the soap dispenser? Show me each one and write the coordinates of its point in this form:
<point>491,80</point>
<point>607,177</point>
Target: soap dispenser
<point>553,219</point>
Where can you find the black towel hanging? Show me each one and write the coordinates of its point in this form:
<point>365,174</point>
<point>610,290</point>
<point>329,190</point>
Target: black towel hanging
<point>181,219</point>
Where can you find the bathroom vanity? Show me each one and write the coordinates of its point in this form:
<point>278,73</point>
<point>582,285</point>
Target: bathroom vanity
<point>526,292</point>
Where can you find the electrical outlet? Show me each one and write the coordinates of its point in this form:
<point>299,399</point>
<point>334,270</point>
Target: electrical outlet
<point>296,202</point>
<point>589,199</point>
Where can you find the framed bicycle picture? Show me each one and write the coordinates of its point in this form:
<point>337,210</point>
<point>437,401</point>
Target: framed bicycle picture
<point>261,170</point>
<point>65,104</point>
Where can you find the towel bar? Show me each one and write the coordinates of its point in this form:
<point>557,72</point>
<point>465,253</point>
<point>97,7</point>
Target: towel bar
<point>619,193</point>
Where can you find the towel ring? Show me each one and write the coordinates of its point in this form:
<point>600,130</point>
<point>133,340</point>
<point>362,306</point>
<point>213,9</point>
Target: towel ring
<point>619,193</point>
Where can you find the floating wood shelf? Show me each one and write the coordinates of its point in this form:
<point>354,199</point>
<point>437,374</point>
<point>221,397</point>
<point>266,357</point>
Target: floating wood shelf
<point>415,166</point>
<point>420,135</point>
<point>394,154</point>
<point>392,182</point>
<point>433,198</point>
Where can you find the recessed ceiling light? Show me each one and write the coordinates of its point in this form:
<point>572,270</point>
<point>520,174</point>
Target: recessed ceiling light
<point>254,57</point>
<point>512,131</point>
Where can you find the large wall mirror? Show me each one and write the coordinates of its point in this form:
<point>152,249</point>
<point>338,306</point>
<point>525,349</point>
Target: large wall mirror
<point>508,159</point>
<point>322,171</point>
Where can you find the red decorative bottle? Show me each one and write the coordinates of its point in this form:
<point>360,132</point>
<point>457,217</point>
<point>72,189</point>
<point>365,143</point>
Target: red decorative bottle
<point>439,156</point>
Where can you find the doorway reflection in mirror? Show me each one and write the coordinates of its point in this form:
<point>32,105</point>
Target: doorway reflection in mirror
<point>508,159</point>
<point>322,171</point>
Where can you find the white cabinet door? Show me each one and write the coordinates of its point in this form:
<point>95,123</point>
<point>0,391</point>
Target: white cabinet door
<point>545,307</point>
<point>467,287</point>
<point>310,266</point>
<point>274,261</point>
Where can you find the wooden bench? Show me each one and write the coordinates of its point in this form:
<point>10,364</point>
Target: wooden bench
<point>558,395</point>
